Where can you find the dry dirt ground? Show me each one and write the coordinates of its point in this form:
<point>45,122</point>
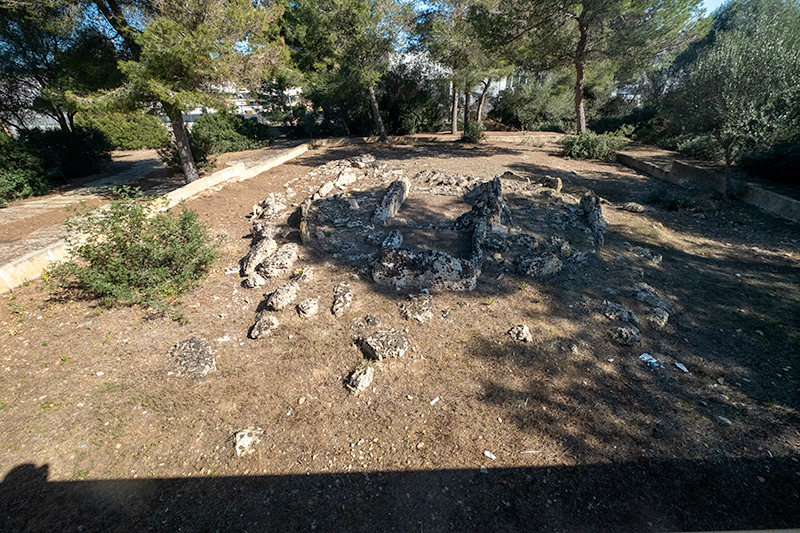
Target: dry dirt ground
<point>582,435</point>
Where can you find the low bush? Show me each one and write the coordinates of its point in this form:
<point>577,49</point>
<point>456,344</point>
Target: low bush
<point>218,133</point>
<point>591,145</point>
<point>703,147</point>
<point>127,255</point>
<point>128,131</point>
<point>474,133</point>
<point>777,163</point>
<point>65,155</point>
<point>542,105</point>
<point>21,174</point>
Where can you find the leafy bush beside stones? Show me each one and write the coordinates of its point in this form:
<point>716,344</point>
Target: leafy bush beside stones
<point>592,145</point>
<point>218,133</point>
<point>127,255</point>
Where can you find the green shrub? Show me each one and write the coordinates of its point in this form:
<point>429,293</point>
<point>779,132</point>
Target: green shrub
<point>218,133</point>
<point>21,174</point>
<point>778,162</point>
<point>703,147</point>
<point>64,155</point>
<point>474,133</point>
<point>128,131</point>
<point>541,105</point>
<point>122,256</point>
<point>591,145</point>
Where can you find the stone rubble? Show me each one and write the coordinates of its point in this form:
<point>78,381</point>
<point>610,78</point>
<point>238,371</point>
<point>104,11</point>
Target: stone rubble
<point>280,262</point>
<point>521,333</point>
<point>626,335</point>
<point>360,380</point>
<point>283,296</point>
<point>385,344</point>
<point>192,357</point>
<point>419,307</point>
<point>265,324</point>
<point>614,311</point>
<point>308,307</point>
<point>342,298</point>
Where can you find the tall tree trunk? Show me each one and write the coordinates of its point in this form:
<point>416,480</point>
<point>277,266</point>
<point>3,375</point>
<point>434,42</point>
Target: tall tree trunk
<point>454,115</point>
<point>62,120</point>
<point>482,100</point>
<point>182,141</point>
<point>377,113</point>
<point>467,92</point>
<point>580,76</point>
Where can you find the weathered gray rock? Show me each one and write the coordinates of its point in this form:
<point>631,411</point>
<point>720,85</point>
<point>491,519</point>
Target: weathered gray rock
<point>648,295</point>
<point>657,318</point>
<point>263,229</point>
<point>280,262</point>
<point>342,298</point>
<point>395,195</point>
<point>590,205</point>
<point>253,280</point>
<point>346,178</point>
<point>303,215</point>
<point>393,240</point>
<point>554,183</point>
<point>633,207</point>
<point>247,439</point>
<point>363,161</point>
<point>521,333</point>
<point>268,208</point>
<point>305,274</point>
<point>626,335</point>
<point>384,344</point>
<point>430,269</point>
<point>419,307</point>
<point>308,307</point>
<point>192,357</point>
<point>360,380</point>
<point>265,324</point>
<point>540,266</point>
<point>614,311</point>
<point>325,189</point>
<point>487,204</point>
<point>258,253</point>
<point>283,296</point>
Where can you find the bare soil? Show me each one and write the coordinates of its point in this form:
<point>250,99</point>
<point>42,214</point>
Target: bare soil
<point>96,433</point>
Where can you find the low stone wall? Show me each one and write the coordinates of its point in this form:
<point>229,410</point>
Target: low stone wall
<point>688,175</point>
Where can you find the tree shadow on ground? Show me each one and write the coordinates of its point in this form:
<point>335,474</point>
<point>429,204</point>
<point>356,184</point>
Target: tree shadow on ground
<point>644,495</point>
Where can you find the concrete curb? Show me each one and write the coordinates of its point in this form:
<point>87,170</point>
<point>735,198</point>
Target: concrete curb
<point>688,175</point>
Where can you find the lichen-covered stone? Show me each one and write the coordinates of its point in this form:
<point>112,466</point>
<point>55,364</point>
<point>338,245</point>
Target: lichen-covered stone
<point>385,344</point>
<point>590,205</point>
<point>268,208</point>
<point>540,266</point>
<point>192,357</point>
<point>258,253</point>
<point>430,269</point>
<point>395,195</point>
<point>342,298</point>
<point>308,307</point>
<point>627,335</point>
<point>360,380</point>
<point>346,178</point>
<point>265,324</point>
<point>246,440</point>
<point>521,333</point>
<point>283,296</point>
<point>487,204</point>
<point>253,280</point>
<point>648,295</point>
<point>419,307</point>
<point>657,317</point>
<point>633,207</point>
<point>280,262</point>
<point>614,311</point>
